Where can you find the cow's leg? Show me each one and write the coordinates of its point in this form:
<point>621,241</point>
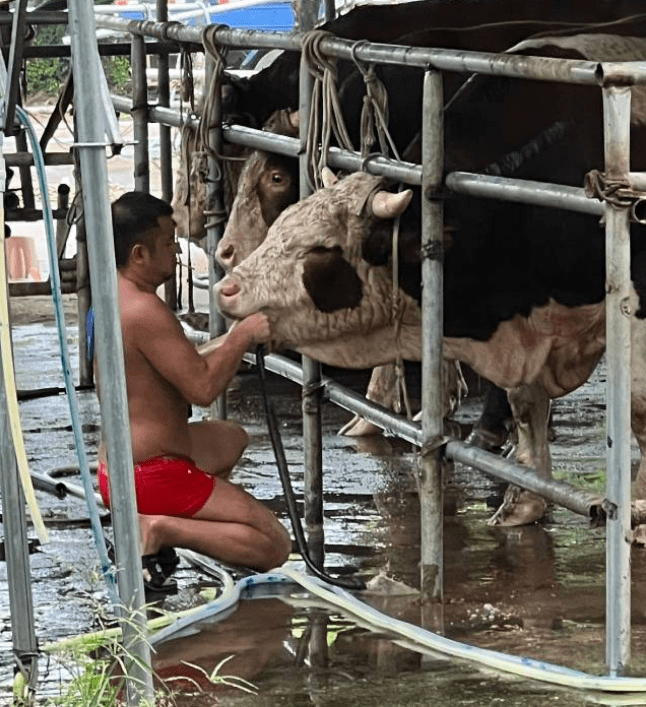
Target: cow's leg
<point>530,405</point>
<point>493,426</point>
<point>382,389</point>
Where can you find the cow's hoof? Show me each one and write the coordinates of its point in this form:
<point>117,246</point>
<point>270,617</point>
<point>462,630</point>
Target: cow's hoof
<point>519,508</point>
<point>358,427</point>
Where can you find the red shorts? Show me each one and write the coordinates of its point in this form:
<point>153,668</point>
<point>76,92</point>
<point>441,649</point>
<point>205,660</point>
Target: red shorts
<point>166,485</point>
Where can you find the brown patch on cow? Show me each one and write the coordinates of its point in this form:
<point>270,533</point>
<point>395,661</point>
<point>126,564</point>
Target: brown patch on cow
<point>331,281</point>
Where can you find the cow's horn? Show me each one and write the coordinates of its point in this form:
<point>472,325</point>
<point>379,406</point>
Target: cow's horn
<point>385,204</point>
<point>294,119</point>
<point>328,177</point>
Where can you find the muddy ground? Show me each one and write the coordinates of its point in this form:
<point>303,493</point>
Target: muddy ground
<point>536,591</point>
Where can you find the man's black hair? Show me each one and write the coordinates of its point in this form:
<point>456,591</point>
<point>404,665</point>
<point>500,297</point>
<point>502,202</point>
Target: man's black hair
<point>134,215</point>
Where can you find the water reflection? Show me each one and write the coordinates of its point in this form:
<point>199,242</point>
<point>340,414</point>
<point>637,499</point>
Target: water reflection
<point>258,633</point>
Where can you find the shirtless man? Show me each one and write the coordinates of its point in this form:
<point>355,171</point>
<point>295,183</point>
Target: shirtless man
<point>181,468</point>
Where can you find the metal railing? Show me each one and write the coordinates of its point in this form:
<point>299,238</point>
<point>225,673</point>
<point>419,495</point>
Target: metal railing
<point>612,79</point>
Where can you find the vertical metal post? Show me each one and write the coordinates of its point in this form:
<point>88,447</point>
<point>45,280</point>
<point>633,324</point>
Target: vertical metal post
<point>163,99</point>
<point>165,144</point>
<point>83,302</point>
<point>430,481</point>
<point>140,113</point>
<point>16,542</point>
<point>21,604</point>
<point>311,402</point>
<point>91,122</point>
<point>616,113</point>
<point>214,207</point>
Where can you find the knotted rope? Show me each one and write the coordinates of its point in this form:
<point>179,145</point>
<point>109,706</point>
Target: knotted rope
<point>326,117</point>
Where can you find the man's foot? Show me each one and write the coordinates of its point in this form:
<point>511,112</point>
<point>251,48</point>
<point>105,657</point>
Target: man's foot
<point>157,570</point>
<point>156,582</point>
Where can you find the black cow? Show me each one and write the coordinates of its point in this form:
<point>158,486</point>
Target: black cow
<point>252,100</point>
<point>524,285</point>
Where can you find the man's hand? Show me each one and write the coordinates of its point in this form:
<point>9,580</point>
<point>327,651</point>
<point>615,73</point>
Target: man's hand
<point>256,327</point>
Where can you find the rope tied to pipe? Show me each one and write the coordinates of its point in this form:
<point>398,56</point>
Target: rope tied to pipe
<point>374,112</point>
<point>616,192</point>
<point>326,117</point>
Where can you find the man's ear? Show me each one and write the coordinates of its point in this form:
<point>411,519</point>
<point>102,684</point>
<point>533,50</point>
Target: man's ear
<point>137,253</point>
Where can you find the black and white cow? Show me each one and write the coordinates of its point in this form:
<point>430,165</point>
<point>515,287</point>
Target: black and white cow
<point>524,285</point>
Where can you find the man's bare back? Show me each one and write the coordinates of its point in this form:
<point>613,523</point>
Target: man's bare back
<point>158,411</point>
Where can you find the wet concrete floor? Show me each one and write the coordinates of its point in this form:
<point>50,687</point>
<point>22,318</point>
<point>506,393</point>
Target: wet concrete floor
<point>536,591</point>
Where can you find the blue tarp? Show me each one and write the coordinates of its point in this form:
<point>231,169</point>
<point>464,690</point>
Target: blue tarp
<point>273,17</point>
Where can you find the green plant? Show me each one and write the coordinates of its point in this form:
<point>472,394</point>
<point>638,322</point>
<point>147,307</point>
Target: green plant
<point>215,678</point>
<point>46,74</point>
<point>117,72</point>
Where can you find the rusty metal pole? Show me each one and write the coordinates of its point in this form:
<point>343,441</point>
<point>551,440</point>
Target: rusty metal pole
<point>430,481</point>
<point>165,144</point>
<point>214,207</point>
<point>140,113</point>
<point>312,391</point>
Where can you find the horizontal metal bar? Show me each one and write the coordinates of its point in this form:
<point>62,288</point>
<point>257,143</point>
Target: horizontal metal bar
<point>566,495</point>
<point>38,17</point>
<point>347,399</point>
<point>510,65</point>
<point>49,51</point>
<point>524,191</point>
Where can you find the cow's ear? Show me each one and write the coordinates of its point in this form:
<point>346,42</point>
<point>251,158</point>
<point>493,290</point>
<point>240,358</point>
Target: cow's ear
<point>331,281</point>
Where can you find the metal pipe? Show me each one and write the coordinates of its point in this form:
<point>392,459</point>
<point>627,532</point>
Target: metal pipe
<point>62,229</point>
<point>430,483</point>
<point>26,159</point>
<point>511,65</point>
<point>21,604</point>
<point>140,114</point>
<point>524,192</point>
<point>163,99</point>
<point>566,495</point>
<point>26,184</point>
<point>165,147</point>
<point>28,289</point>
<point>311,390</point>
<point>214,207</point>
<point>109,348</point>
<point>616,113</point>
<point>50,51</point>
<point>345,398</point>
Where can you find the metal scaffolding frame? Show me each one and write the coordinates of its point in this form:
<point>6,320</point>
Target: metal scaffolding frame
<point>608,77</point>
<point>611,79</point>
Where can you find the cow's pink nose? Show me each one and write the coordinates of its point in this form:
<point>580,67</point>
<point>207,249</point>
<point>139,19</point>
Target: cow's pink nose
<point>229,287</point>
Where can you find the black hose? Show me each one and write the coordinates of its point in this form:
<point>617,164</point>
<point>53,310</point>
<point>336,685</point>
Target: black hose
<point>283,472</point>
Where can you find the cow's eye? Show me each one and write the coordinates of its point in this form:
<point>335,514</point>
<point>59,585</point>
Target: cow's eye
<point>277,178</point>
<point>322,250</point>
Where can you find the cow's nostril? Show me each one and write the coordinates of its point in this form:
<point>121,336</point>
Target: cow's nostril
<point>227,253</point>
<point>229,288</point>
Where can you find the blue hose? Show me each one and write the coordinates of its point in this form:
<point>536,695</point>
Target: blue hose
<point>55,280</point>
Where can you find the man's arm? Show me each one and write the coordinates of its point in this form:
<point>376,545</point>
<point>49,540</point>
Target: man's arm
<point>159,336</point>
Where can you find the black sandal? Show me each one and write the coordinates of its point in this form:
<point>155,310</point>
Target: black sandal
<point>157,569</point>
<point>156,581</point>
<point>168,560</point>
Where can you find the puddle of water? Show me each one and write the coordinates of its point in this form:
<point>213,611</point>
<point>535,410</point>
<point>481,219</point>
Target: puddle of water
<point>536,591</point>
